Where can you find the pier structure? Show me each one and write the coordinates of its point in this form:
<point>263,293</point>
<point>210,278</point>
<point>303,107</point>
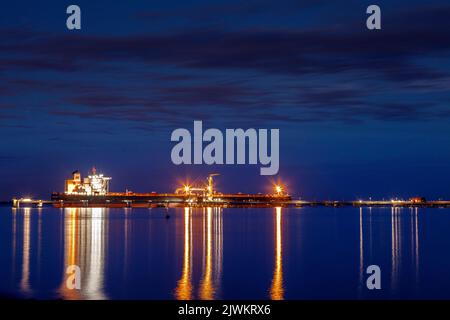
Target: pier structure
<point>28,202</point>
<point>373,203</point>
<point>151,200</point>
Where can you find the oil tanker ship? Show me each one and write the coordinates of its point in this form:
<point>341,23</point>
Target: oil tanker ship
<point>93,191</point>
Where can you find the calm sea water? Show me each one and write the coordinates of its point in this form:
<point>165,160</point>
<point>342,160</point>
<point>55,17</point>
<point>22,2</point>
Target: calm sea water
<point>211,253</point>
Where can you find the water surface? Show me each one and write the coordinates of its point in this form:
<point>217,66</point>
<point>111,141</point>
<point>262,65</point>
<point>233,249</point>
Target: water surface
<point>213,253</point>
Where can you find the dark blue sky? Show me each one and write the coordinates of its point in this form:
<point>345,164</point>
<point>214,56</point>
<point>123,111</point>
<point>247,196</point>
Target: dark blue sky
<point>361,113</point>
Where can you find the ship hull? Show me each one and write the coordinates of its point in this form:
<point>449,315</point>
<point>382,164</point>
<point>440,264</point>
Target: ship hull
<point>120,200</point>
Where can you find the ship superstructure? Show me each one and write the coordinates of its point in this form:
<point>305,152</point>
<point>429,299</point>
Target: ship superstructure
<point>95,184</point>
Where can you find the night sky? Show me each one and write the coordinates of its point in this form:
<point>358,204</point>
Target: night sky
<point>361,113</point>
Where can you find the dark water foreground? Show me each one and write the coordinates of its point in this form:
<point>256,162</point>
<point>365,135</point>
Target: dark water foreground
<point>212,253</point>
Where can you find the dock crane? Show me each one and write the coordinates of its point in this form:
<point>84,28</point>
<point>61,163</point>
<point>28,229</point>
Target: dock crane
<point>210,187</point>
<point>207,190</point>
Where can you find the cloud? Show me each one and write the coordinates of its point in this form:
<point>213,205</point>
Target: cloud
<point>285,75</point>
<point>391,53</point>
<point>39,63</point>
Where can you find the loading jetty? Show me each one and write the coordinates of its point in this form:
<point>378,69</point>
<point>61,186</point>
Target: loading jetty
<point>93,191</point>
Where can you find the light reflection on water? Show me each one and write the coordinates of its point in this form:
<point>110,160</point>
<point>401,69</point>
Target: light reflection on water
<point>24,282</point>
<point>84,246</point>
<point>196,253</point>
<point>184,288</point>
<point>277,290</point>
<point>209,286</point>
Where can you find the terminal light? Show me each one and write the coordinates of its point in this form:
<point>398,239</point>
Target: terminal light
<point>278,189</point>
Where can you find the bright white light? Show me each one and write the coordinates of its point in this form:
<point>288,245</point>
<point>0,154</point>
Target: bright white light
<point>278,189</point>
